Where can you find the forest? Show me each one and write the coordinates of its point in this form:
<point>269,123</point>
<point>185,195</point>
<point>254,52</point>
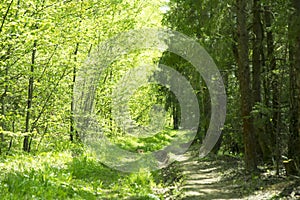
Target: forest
<point>140,99</point>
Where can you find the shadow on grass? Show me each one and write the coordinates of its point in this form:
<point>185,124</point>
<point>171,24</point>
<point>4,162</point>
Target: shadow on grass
<point>89,170</point>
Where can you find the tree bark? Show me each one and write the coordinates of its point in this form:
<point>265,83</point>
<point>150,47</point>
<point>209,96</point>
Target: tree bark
<point>245,89</point>
<point>294,58</point>
<point>26,145</point>
<point>175,113</point>
<point>5,15</point>
<point>274,85</point>
<point>257,46</point>
<point>72,128</point>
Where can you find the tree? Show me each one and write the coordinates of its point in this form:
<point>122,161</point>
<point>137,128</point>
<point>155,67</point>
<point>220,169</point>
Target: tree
<point>26,144</point>
<point>272,132</point>
<point>4,94</point>
<point>245,87</point>
<point>294,139</point>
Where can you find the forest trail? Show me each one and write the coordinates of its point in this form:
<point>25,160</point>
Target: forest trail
<point>214,178</point>
<point>202,180</point>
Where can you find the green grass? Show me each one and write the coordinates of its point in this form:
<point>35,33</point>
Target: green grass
<point>66,170</point>
<point>149,144</point>
<point>59,169</point>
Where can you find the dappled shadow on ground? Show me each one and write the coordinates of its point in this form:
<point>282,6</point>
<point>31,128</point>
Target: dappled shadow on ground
<point>203,180</point>
<point>223,178</point>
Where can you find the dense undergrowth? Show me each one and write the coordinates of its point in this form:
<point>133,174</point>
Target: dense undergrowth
<point>60,169</point>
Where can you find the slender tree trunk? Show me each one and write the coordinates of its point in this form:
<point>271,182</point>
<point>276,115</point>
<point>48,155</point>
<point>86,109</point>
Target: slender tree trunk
<point>175,116</point>
<point>26,146</point>
<point>5,15</point>
<point>274,87</point>
<point>72,125</point>
<point>267,98</point>
<point>3,96</point>
<point>217,146</point>
<point>72,128</point>
<point>245,89</point>
<point>257,46</point>
<point>3,107</point>
<point>294,58</point>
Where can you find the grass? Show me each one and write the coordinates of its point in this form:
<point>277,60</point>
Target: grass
<point>60,169</point>
<point>65,170</point>
<point>149,144</point>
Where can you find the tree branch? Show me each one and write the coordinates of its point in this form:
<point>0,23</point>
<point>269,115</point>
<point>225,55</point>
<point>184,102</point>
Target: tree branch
<point>5,15</point>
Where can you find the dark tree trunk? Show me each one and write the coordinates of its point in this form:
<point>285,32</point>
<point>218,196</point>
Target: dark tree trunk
<point>26,144</point>
<point>274,86</point>
<point>3,105</point>
<point>294,139</point>
<point>72,128</point>
<point>5,15</point>
<point>245,89</point>
<point>257,46</point>
<point>175,116</point>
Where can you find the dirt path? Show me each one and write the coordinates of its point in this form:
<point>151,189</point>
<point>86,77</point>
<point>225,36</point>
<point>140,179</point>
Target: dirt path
<point>202,180</point>
<point>214,178</point>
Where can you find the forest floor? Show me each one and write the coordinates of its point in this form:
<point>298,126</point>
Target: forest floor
<point>223,177</point>
<point>67,171</point>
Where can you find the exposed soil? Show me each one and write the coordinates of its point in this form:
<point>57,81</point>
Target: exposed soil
<point>223,177</point>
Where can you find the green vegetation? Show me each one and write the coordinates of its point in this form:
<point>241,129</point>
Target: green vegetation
<point>46,44</point>
<point>68,171</point>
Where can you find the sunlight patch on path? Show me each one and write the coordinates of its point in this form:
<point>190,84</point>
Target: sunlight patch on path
<point>202,180</point>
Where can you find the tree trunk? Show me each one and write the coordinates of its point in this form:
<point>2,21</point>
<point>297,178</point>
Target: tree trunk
<point>175,115</point>
<point>245,89</point>
<point>72,128</point>
<point>257,46</point>
<point>5,15</point>
<point>274,85</point>
<point>3,106</point>
<point>294,139</point>
<point>26,145</point>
